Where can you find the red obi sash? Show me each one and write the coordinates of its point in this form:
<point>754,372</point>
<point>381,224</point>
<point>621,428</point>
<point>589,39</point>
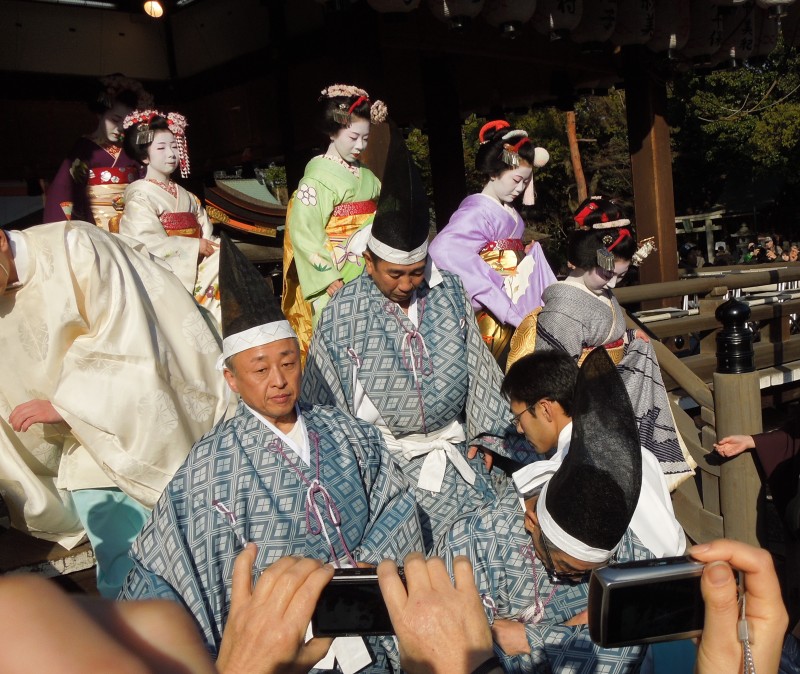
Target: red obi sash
<point>355,208</point>
<point>110,175</point>
<point>504,244</point>
<point>181,224</point>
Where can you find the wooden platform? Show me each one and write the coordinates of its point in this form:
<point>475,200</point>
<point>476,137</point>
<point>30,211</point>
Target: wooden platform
<point>20,553</point>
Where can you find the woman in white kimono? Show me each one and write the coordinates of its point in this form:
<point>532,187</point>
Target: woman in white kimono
<point>166,218</point>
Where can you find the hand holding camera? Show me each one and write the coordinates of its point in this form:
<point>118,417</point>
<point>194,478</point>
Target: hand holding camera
<point>439,627</point>
<point>266,626</point>
<point>720,649</point>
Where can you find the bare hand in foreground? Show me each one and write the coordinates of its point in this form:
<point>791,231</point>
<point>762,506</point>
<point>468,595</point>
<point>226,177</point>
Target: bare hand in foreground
<point>207,247</point>
<point>488,457</point>
<point>47,630</point>
<point>23,416</point>
<point>333,287</point>
<point>510,636</point>
<point>266,626</point>
<point>733,445</point>
<point>440,628</point>
<point>720,649</point>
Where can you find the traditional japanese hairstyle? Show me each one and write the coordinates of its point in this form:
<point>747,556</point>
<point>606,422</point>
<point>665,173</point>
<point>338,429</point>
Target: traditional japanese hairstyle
<point>587,249</point>
<point>341,102</point>
<point>502,148</point>
<point>599,213</point>
<point>117,88</point>
<point>146,123</point>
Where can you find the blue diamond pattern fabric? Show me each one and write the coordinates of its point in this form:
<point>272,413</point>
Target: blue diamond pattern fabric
<point>361,332</point>
<point>187,549</point>
<point>496,543</point>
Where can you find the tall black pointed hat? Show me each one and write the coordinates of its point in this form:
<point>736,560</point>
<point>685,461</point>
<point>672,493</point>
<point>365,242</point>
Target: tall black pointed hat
<point>587,505</point>
<point>251,315</point>
<point>402,221</point>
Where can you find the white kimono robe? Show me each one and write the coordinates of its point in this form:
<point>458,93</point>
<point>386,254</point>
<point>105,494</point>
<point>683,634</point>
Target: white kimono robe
<point>147,205</point>
<point>126,357</point>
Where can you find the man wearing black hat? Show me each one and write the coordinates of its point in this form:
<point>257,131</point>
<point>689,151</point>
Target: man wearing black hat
<point>399,347</point>
<point>293,478</point>
<point>600,498</point>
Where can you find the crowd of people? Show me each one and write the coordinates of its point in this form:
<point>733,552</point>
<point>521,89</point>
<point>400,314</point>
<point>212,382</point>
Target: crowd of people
<point>447,404</point>
<point>766,249</point>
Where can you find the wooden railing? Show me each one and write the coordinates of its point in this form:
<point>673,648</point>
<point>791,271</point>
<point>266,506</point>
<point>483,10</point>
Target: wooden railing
<point>726,496</point>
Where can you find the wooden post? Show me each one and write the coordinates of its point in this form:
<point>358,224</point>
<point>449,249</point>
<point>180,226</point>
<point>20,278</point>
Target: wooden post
<point>575,156</point>
<point>737,410</point>
<point>651,165</point>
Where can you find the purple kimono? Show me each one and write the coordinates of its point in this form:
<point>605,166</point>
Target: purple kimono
<point>479,227</point>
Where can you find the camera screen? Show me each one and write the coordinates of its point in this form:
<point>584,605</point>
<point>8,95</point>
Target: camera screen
<point>353,608</point>
<point>657,609</point>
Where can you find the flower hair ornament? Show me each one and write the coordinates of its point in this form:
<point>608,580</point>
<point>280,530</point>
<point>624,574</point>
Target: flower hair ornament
<point>511,150</point>
<point>378,112</point>
<point>605,258</point>
<point>113,85</point>
<point>646,246</point>
<point>176,123</point>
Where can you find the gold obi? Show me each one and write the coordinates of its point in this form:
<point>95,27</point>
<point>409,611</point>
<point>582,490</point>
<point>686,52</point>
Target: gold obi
<point>503,256</point>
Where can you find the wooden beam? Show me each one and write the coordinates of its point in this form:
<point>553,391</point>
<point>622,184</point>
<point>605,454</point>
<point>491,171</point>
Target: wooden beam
<point>651,165</point>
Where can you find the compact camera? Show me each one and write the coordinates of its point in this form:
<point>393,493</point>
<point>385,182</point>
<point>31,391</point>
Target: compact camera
<point>352,605</point>
<point>645,602</point>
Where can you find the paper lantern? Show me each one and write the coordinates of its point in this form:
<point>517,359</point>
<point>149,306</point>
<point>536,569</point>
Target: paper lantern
<point>738,29</point>
<point>672,26</point>
<point>598,19</point>
<point>456,13</point>
<point>393,6</point>
<point>767,31</point>
<point>153,8</point>
<point>705,38</point>
<point>508,15</point>
<point>635,22</point>
<point>557,17</point>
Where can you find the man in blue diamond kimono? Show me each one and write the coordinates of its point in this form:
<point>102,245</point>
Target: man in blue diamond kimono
<point>532,555</point>
<point>399,347</point>
<point>293,478</point>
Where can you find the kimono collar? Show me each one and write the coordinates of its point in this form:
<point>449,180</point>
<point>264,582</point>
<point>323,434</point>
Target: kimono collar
<point>530,478</point>
<point>296,440</point>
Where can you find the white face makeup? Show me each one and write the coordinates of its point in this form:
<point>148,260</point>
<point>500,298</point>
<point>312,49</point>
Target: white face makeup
<point>162,156</point>
<point>351,141</point>
<point>509,184</point>
<point>597,279</point>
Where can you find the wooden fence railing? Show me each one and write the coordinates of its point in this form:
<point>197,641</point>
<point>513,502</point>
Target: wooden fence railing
<point>726,496</point>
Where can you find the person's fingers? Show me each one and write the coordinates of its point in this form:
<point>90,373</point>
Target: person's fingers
<point>472,452</point>
<point>242,580</point>
<point>718,586</point>
<point>280,587</point>
<point>313,578</point>
<point>314,650</point>
<point>765,606</point>
<point>416,570</point>
<point>394,592</point>
<point>488,460</point>
<point>463,576</point>
<point>438,576</point>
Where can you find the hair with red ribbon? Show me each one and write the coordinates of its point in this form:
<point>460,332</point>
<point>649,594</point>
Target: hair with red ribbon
<point>496,125</point>
<point>623,233</point>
